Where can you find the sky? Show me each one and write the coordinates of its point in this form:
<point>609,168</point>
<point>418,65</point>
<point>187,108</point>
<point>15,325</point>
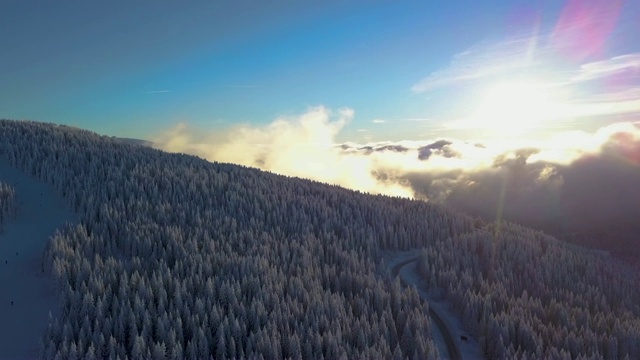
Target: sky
<point>526,111</point>
<point>406,70</point>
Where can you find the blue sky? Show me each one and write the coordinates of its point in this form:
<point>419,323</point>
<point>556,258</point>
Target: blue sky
<point>409,70</point>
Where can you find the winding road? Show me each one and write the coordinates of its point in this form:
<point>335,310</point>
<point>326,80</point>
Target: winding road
<point>452,348</point>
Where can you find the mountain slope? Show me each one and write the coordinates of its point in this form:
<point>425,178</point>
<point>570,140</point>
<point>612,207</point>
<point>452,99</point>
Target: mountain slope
<point>525,294</point>
<point>179,256</point>
<point>175,256</point>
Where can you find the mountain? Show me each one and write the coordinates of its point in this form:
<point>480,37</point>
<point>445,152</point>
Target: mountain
<point>173,256</point>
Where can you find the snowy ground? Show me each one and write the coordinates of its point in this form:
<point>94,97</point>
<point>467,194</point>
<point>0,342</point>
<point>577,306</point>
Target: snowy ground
<point>468,349</point>
<point>22,243</point>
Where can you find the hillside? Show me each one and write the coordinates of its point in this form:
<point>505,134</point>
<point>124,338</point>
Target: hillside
<point>177,255</point>
<point>173,256</point>
<point>524,294</point>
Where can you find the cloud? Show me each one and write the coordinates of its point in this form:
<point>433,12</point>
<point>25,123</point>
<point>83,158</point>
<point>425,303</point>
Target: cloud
<point>487,59</point>
<point>382,121</point>
<point>302,146</point>
<point>625,95</point>
<point>628,64</point>
<point>579,34</point>
<point>574,182</point>
<point>562,61</point>
<point>440,146</point>
<point>581,186</point>
<point>597,90</point>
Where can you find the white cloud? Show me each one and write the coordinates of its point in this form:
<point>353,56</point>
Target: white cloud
<point>609,67</point>
<point>481,61</point>
<point>573,91</point>
<point>302,146</point>
<point>382,121</point>
<point>305,146</point>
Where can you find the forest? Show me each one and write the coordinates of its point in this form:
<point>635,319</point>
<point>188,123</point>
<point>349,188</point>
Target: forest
<point>524,294</point>
<point>7,202</point>
<point>176,257</point>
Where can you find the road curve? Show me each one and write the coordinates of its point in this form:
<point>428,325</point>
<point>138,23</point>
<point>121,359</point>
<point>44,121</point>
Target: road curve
<point>454,352</point>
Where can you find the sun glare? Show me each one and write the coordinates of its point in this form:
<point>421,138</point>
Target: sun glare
<point>513,108</point>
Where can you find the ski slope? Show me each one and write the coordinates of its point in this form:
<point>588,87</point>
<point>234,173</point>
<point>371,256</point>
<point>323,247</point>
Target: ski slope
<point>22,243</point>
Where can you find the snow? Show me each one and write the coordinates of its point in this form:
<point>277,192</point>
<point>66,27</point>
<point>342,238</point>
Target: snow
<point>469,349</point>
<point>22,244</point>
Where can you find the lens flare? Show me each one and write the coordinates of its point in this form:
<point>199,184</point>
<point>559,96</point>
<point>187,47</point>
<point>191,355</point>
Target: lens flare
<point>584,27</point>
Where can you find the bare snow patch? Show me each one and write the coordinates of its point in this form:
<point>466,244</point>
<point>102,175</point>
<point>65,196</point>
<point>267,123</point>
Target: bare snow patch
<point>26,295</point>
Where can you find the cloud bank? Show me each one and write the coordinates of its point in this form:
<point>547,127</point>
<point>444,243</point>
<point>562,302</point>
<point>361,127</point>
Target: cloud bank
<point>575,182</point>
<point>302,146</point>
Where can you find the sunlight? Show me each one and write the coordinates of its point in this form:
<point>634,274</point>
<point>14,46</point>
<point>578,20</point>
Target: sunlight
<point>513,108</point>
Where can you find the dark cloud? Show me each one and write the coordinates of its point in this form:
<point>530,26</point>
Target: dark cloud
<point>369,149</point>
<point>439,146</point>
<point>594,200</point>
<point>601,198</point>
<point>396,148</point>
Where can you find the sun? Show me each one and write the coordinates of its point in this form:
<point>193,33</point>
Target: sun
<point>514,108</point>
